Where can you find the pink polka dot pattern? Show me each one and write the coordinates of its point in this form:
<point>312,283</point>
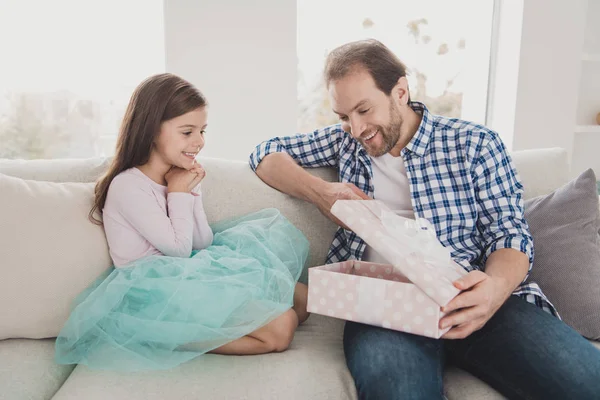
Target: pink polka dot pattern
<point>410,246</point>
<point>376,294</point>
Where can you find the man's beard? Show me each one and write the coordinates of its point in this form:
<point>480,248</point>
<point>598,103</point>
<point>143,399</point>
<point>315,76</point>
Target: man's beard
<point>390,134</point>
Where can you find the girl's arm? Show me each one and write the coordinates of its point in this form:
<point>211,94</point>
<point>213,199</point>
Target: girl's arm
<point>203,235</point>
<point>171,233</point>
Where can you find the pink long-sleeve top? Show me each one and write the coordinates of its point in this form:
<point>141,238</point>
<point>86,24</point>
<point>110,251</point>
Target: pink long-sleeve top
<point>141,219</point>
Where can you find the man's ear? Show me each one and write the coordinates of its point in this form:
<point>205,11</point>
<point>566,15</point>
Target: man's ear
<point>400,91</point>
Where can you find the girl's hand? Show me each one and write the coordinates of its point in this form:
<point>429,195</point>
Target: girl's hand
<point>183,180</point>
<point>200,174</point>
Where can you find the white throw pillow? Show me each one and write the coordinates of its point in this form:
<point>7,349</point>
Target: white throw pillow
<point>49,253</point>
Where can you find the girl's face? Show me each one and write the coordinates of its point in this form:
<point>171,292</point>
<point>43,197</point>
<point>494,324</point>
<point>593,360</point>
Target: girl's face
<point>181,138</point>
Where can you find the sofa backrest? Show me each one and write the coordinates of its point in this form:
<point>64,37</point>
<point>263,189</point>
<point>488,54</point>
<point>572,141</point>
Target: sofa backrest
<point>231,188</point>
<point>51,251</point>
<point>56,170</point>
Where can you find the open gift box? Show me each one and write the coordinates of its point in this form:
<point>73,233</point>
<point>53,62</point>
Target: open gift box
<point>405,295</point>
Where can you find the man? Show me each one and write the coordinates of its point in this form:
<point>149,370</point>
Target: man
<point>459,176</point>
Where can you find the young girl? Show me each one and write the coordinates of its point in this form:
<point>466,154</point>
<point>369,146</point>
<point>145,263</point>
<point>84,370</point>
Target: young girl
<point>176,291</point>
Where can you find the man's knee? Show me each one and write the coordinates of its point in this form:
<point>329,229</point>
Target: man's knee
<point>387,364</point>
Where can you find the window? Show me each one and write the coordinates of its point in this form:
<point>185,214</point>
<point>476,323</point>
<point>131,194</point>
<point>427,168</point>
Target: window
<point>445,45</point>
<point>68,70</point>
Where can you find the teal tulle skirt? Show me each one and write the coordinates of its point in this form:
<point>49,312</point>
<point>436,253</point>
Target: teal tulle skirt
<point>159,311</point>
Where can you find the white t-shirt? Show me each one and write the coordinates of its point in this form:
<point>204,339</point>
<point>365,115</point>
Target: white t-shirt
<point>391,186</point>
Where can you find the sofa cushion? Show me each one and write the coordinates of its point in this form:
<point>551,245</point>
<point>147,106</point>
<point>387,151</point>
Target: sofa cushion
<point>28,370</point>
<point>564,226</point>
<point>312,368</point>
<point>459,385</point>
<point>50,252</point>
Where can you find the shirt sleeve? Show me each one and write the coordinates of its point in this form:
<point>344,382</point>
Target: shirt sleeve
<point>310,150</point>
<point>203,234</point>
<point>170,233</point>
<point>499,197</point>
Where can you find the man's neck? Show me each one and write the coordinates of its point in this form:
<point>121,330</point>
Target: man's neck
<point>410,124</point>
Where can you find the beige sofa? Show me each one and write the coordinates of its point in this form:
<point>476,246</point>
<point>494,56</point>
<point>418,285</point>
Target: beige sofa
<point>313,368</point>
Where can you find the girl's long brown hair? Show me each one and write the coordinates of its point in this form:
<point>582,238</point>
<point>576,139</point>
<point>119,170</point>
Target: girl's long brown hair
<point>159,98</point>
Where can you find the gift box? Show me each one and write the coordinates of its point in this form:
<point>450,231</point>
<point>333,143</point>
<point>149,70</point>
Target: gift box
<point>404,295</point>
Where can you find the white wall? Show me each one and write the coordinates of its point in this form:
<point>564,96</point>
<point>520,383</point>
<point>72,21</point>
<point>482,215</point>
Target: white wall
<point>549,71</point>
<point>505,69</point>
<point>242,56</point>
<point>586,150</point>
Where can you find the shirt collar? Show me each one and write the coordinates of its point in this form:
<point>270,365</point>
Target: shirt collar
<point>418,144</point>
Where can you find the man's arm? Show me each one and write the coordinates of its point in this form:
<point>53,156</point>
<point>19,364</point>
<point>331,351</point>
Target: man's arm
<point>509,268</point>
<point>509,245</point>
<point>319,148</point>
<point>280,171</point>
<point>499,198</point>
<point>279,163</point>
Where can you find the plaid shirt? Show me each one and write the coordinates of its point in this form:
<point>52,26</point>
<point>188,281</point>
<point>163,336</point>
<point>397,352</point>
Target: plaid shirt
<point>461,179</point>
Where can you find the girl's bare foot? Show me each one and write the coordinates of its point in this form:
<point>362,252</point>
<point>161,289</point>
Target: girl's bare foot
<point>274,337</point>
<point>300,301</point>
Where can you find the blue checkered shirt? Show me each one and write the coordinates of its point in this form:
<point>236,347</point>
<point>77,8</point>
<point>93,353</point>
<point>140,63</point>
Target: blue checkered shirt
<point>461,179</point>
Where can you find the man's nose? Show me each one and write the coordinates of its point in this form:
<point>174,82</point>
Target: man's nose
<point>357,127</point>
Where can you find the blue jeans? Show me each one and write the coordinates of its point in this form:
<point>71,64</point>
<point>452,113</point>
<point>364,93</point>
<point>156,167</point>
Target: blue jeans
<point>522,352</point>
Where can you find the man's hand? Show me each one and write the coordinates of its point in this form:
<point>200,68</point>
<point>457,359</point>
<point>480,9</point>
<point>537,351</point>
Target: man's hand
<point>330,192</point>
<point>482,296</point>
